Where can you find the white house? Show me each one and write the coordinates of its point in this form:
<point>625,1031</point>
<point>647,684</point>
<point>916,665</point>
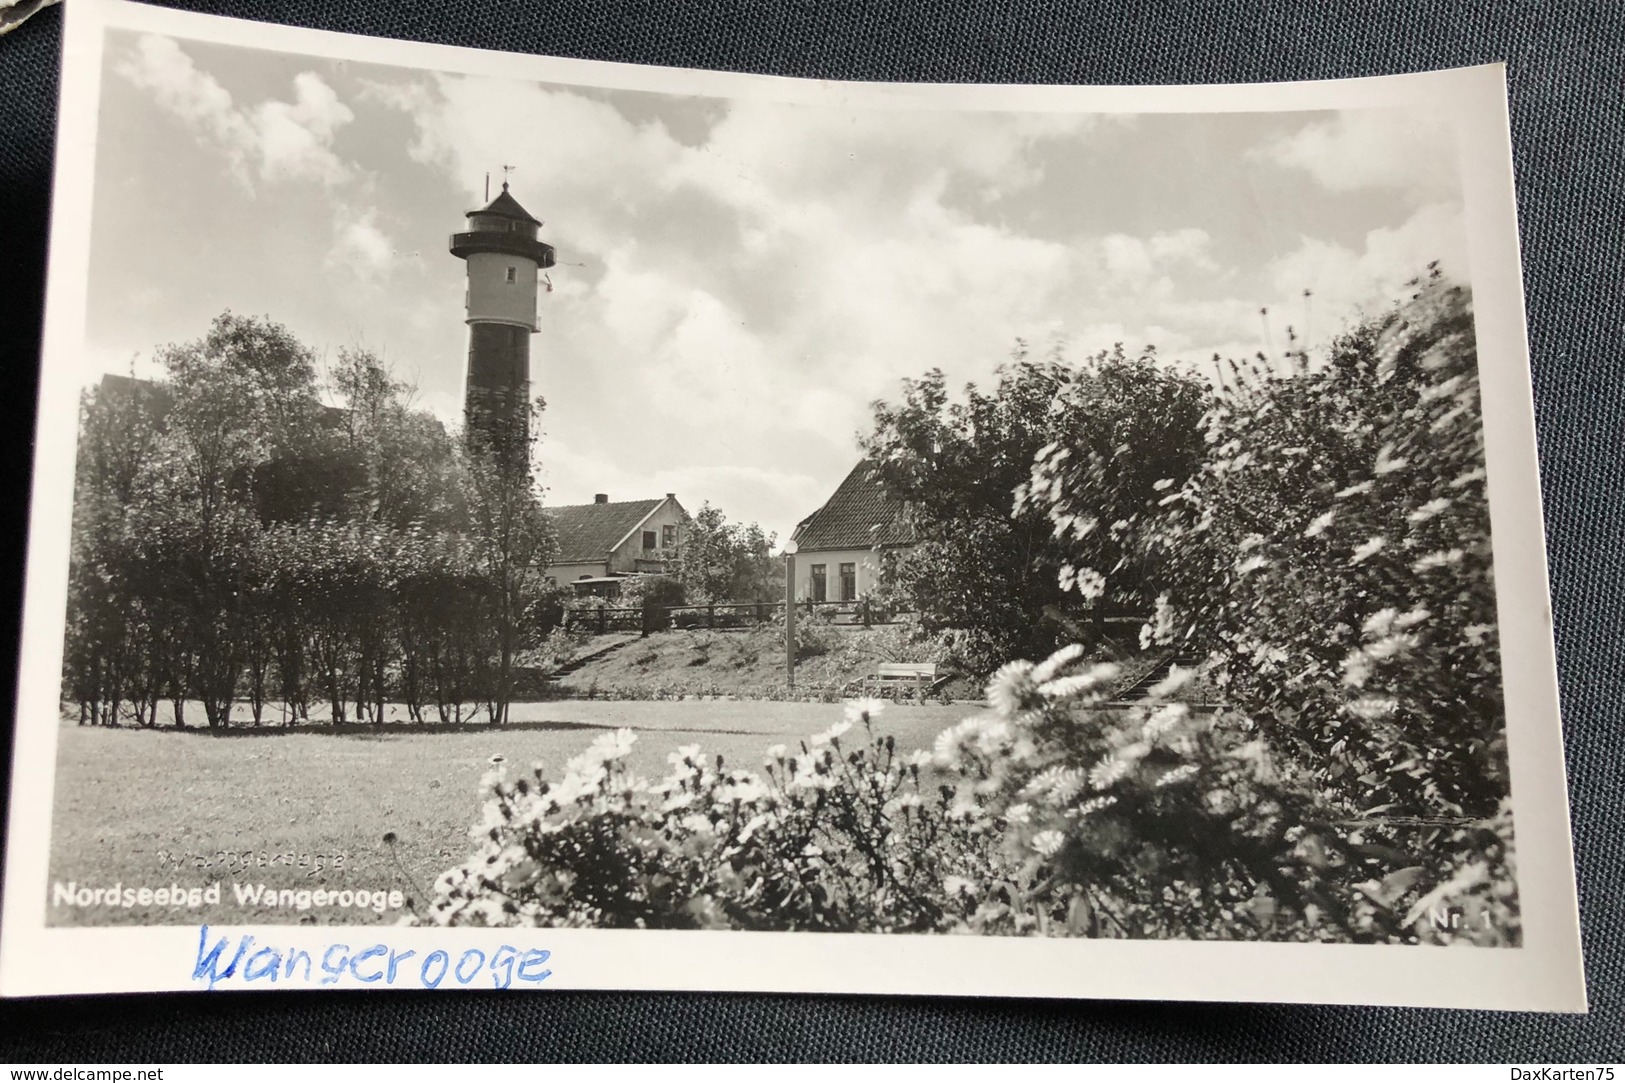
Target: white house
<point>839,546</point>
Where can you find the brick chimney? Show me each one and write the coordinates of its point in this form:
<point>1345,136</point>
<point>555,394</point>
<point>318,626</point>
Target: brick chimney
<point>600,498</point>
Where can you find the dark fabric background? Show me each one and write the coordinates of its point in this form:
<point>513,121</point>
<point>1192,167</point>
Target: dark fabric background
<point>1567,86</point>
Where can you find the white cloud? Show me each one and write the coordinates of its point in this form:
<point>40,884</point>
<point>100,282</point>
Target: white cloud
<point>1344,281</point>
<point>1140,260</point>
<point>294,139</point>
<point>1374,148</point>
<point>1344,284</point>
<point>728,307</point>
<point>278,140</point>
<point>782,273</point>
<point>177,85</point>
<point>362,247</point>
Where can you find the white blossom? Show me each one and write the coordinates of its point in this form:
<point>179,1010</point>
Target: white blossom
<point>1056,662</point>
<point>860,710</point>
<point>1048,842</point>
<point>1177,775</point>
<point>1163,719</point>
<point>1371,708</point>
<point>1386,463</point>
<point>1370,549</point>
<point>1010,687</point>
<point>1090,583</point>
<point>832,734</point>
<point>1438,559</point>
<point>1429,510</point>
<point>1108,771</point>
<point>1094,805</point>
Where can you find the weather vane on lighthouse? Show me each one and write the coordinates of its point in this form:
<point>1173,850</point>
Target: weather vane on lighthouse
<point>503,256</point>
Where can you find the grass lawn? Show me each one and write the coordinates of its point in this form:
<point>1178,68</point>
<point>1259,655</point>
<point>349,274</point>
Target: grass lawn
<point>151,808</point>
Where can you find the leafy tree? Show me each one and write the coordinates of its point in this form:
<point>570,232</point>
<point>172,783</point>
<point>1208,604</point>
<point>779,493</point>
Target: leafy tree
<point>978,573</point>
<point>988,571</point>
<point>1333,555</point>
<point>512,544</point>
<point>238,396</point>
<point>1125,431</point>
<point>722,561</point>
<point>407,456</point>
<point>234,537</point>
<point>106,643</point>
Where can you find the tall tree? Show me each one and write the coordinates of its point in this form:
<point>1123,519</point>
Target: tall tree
<point>406,454</point>
<point>988,571</point>
<point>513,543</point>
<point>723,561</point>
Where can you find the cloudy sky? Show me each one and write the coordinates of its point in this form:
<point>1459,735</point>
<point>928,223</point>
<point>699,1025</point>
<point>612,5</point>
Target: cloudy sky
<point>737,279</point>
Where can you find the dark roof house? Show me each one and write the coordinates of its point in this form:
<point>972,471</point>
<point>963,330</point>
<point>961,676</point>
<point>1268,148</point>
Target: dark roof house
<point>857,515</point>
<point>623,537</point>
<point>589,532</point>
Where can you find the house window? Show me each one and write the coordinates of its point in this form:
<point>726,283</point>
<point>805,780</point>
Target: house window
<point>849,582</point>
<point>668,536</point>
<point>819,593</point>
<point>513,275</point>
<point>648,541</point>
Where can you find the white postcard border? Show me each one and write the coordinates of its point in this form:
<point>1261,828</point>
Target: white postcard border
<point>1544,974</point>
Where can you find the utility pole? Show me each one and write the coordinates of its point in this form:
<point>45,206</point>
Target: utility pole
<point>790,613</point>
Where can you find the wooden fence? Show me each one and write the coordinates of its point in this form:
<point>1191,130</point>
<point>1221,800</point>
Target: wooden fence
<point>720,615</point>
<point>741,615</point>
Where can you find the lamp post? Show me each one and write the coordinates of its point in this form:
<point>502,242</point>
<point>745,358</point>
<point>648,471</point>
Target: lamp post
<point>790,613</point>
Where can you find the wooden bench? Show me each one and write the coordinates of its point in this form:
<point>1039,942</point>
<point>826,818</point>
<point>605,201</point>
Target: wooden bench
<point>922,675</point>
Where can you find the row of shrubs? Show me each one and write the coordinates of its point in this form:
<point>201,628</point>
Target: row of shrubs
<point>235,538</point>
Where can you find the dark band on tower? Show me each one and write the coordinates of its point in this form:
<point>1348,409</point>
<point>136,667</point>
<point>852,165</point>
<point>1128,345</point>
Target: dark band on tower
<point>504,256</point>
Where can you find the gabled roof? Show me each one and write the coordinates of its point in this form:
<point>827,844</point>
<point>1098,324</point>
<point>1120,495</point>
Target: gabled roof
<point>589,532</point>
<point>856,516</point>
<point>506,206</point>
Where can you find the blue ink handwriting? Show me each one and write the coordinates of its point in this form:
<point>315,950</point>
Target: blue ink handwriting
<point>252,963</point>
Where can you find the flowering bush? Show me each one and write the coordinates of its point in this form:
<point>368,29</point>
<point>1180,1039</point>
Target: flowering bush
<point>1049,814</point>
<point>834,836</point>
<point>1332,555</point>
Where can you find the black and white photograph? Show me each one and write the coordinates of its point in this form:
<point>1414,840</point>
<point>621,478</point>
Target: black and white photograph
<point>521,507</point>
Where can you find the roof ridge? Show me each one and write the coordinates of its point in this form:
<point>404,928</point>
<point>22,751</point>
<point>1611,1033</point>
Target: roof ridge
<point>858,515</point>
<point>590,532</point>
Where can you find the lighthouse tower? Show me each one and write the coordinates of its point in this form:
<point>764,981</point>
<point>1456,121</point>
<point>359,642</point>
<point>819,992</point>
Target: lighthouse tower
<point>504,257</point>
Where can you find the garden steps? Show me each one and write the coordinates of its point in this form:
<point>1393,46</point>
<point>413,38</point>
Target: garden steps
<point>615,643</point>
<point>1139,691</point>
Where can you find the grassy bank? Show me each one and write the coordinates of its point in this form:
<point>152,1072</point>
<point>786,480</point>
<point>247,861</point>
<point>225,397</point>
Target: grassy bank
<point>748,662</point>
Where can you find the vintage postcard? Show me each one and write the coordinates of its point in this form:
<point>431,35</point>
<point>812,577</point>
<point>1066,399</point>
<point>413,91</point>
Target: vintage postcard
<point>508,522</point>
